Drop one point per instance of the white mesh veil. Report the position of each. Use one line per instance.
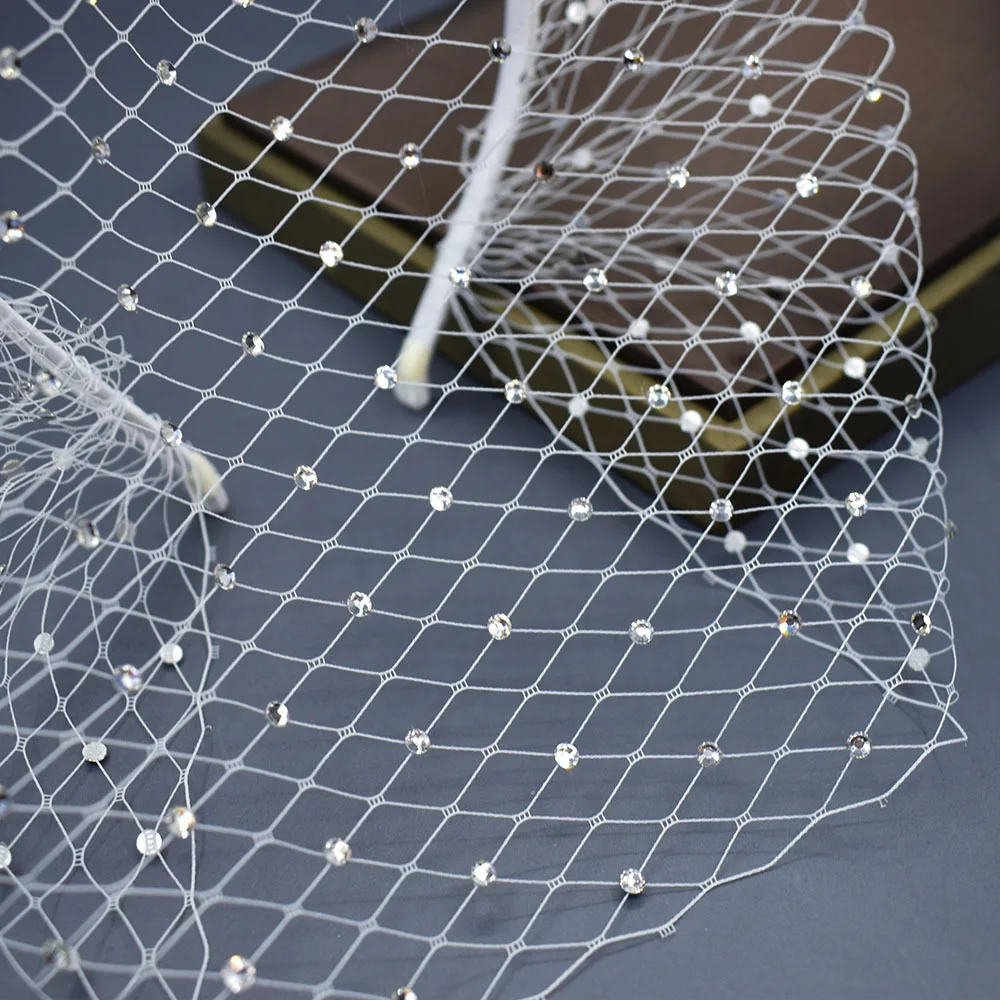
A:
(422, 693)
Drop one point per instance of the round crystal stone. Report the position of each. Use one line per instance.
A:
(206, 213)
(595, 280)
(94, 752)
(417, 742)
(281, 128)
(181, 821)
(44, 642)
(100, 149)
(735, 542)
(750, 331)
(789, 623)
(576, 12)
(856, 368)
(404, 993)
(632, 59)
(580, 509)
(87, 535)
(709, 754)
(578, 406)
(544, 171)
(791, 393)
(797, 448)
(459, 277)
(483, 873)
(359, 604)
(365, 30)
(47, 383)
(514, 391)
(921, 622)
(860, 745)
(5, 856)
(128, 298)
(691, 421)
(911, 207)
(677, 177)
(950, 529)
(759, 105)
(331, 254)
(224, 576)
(305, 477)
(386, 377)
(276, 713)
(440, 498)
(873, 92)
(912, 406)
(567, 756)
(657, 396)
(166, 73)
(499, 626)
(726, 284)
(856, 504)
(858, 553)
(58, 954)
(253, 344)
(10, 63)
(640, 632)
(720, 509)
(753, 67)
(11, 228)
(632, 881)
(918, 658)
(807, 185)
(127, 679)
(499, 49)
(410, 155)
(861, 286)
(170, 435)
(238, 974)
(337, 851)
(148, 843)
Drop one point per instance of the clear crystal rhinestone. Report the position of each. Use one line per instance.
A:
(576, 12)
(127, 679)
(365, 30)
(166, 72)
(5, 857)
(657, 396)
(735, 542)
(789, 623)
(47, 384)
(171, 653)
(856, 504)
(206, 213)
(632, 881)
(595, 280)
(440, 498)
(337, 851)
(404, 993)
(807, 185)
(856, 368)
(87, 535)
(483, 873)
(181, 821)
(720, 509)
(544, 171)
(567, 756)
(911, 207)
(750, 331)
(640, 632)
(10, 63)
(691, 421)
(282, 128)
(238, 974)
(58, 954)
(170, 435)
(410, 155)
(797, 448)
(580, 509)
(305, 477)
(253, 344)
(100, 149)
(859, 745)
(726, 284)
(514, 391)
(677, 177)
(94, 752)
(499, 49)
(359, 604)
(873, 92)
(791, 393)
(861, 286)
(276, 713)
(224, 576)
(858, 553)
(331, 254)
(44, 642)
(753, 67)
(709, 754)
(921, 622)
(386, 377)
(950, 529)
(912, 406)
(759, 106)
(633, 59)
(499, 626)
(918, 658)
(417, 742)
(11, 228)
(459, 277)
(148, 843)
(128, 298)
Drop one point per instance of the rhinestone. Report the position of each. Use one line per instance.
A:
(797, 448)
(514, 391)
(405, 993)
(386, 377)
(856, 504)
(640, 632)
(759, 105)
(366, 30)
(726, 284)
(440, 498)
(47, 384)
(305, 477)
(735, 542)
(181, 821)
(359, 604)
(873, 92)
(567, 756)
(921, 622)
(253, 344)
(861, 286)
(912, 406)
(581, 158)
(417, 742)
(206, 214)
(499, 50)
(789, 623)
(918, 658)
(753, 67)
(224, 576)
(578, 406)
(580, 509)
(544, 171)
(858, 553)
(950, 530)
(633, 60)
(281, 128)
(128, 298)
(677, 177)
(856, 368)
(859, 745)
(127, 679)
(709, 755)
(148, 843)
(94, 752)
(657, 396)
(410, 155)
(100, 149)
(171, 654)
(595, 280)
(483, 873)
(576, 12)
(337, 851)
(750, 331)
(632, 881)
(166, 72)
(791, 393)
(277, 713)
(807, 185)
(44, 642)
(331, 254)
(59, 954)
(238, 974)
(10, 63)
(499, 626)
(720, 509)
(459, 277)
(170, 435)
(691, 421)
(911, 207)
(87, 535)
(5, 856)
(11, 228)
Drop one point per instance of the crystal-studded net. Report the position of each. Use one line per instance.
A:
(335, 707)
